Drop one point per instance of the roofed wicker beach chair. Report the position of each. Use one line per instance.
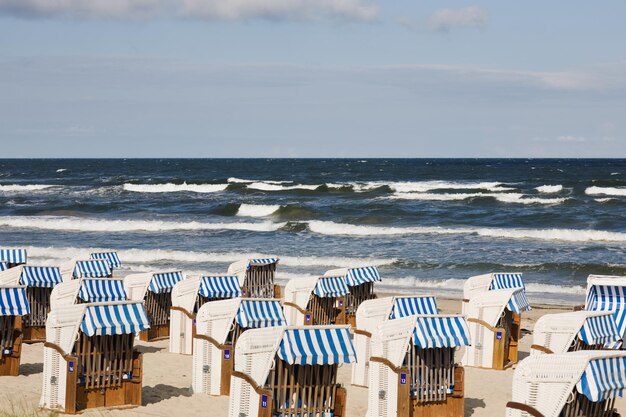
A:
(88, 290)
(256, 277)
(361, 285)
(155, 288)
(39, 282)
(218, 327)
(86, 268)
(608, 293)
(288, 372)
(89, 356)
(479, 284)
(413, 372)
(573, 384)
(188, 296)
(494, 320)
(13, 305)
(316, 300)
(371, 314)
(10, 257)
(111, 257)
(573, 331)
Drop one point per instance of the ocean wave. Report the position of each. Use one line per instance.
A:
(548, 189)
(605, 200)
(244, 181)
(501, 197)
(61, 170)
(174, 188)
(74, 224)
(156, 256)
(455, 284)
(24, 187)
(266, 186)
(567, 235)
(595, 190)
(257, 210)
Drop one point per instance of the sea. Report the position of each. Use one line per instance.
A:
(427, 224)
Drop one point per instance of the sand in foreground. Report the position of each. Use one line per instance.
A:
(167, 379)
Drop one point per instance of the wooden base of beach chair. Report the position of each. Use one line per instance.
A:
(506, 342)
(154, 333)
(34, 334)
(228, 364)
(11, 332)
(127, 395)
(277, 291)
(325, 311)
(452, 406)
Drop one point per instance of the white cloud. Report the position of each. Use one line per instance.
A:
(445, 19)
(358, 10)
(571, 139)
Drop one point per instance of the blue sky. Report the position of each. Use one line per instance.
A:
(312, 78)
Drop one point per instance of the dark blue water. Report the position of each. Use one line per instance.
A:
(426, 223)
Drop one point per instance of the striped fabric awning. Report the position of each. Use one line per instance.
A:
(13, 301)
(163, 282)
(330, 287)
(317, 346)
(441, 331)
(358, 276)
(41, 276)
(112, 257)
(101, 290)
(261, 262)
(410, 306)
(502, 281)
(110, 319)
(599, 330)
(518, 303)
(13, 256)
(609, 298)
(220, 287)
(254, 314)
(604, 378)
(93, 268)
(3, 266)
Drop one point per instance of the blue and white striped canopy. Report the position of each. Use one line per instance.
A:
(331, 287)
(3, 266)
(93, 268)
(13, 256)
(317, 346)
(358, 276)
(110, 319)
(112, 257)
(604, 378)
(410, 306)
(41, 276)
(502, 281)
(599, 330)
(13, 301)
(609, 298)
(220, 287)
(441, 331)
(101, 290)
(518, 303)
(261, 262)
(163, 282)
(254, 314)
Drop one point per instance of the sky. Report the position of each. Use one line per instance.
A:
(312, 78)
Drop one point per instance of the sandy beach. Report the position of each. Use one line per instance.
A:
(167, 380)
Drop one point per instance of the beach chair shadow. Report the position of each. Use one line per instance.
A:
(472, 404)
(162, 392)
(149, 349)
(27, 369)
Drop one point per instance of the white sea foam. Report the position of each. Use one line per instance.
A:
(244, 181)
(256, 210)
(175, 188)
(604, 200)
(150, 257)
(76, 224)
(61, 169)
(502, 197)
(567, 235)
(454, 284)
(605, 191)
(549, 188)
(425, 186)
(24, 187)
(266, 186)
